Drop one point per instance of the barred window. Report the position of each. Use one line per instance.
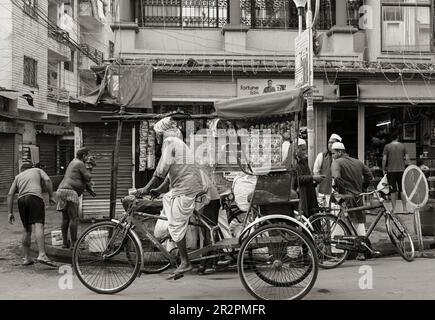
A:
(30, 72)
(283, 14)
(69, 65)
(182, 13)
(31, 8)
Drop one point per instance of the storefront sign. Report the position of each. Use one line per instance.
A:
(143, 144)
(248, 87)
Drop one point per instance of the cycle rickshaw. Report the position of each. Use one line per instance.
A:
(275, 252)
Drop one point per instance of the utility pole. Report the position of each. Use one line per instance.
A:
(309, 84)
(310, 105)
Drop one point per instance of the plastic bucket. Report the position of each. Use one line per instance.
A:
(56, 238)
(97, 240)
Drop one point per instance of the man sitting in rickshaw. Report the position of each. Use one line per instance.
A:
(190, 189)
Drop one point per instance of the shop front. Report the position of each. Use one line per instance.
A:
(366, 124)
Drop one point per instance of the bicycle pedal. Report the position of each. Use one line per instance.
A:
(376, 253)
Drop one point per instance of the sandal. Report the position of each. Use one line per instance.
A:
(28, 263)
(47, 262)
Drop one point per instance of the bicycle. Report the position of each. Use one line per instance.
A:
(109, 255)
(335, 236)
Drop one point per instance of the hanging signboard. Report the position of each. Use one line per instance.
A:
(302, 47)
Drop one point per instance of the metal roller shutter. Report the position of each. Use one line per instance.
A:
(100, 139)
(6, 162)
(48, 153)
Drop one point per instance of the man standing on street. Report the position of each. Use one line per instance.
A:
(74, 183)
(29, 185)
(178, 169)
(322, 166)
(394, 159)
(350, 177)
(306, 182)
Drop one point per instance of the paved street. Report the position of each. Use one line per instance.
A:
(393, 278)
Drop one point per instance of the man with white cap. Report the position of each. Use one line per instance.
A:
(349, 177)
(306, 181)
(322, 166)
(190, 188)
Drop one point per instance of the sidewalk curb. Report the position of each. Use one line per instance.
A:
(385, 246)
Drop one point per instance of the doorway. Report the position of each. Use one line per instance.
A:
(344, 122)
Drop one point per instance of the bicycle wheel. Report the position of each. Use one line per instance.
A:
(325, 228)
(103, 268)
(277, 262)
(400, 236)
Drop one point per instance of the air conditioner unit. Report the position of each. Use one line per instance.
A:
(348, 89)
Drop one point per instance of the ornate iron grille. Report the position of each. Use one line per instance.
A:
(182, 13)
(282, 14)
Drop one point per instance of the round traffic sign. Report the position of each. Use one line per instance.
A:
(415, 187)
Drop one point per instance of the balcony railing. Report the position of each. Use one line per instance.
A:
(265, 14)
(56, 93)
(94, 54)
(182, 13)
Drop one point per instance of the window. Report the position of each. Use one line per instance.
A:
(30, 72)
(281, 14)
(69, 8)
(406, 25)
(69, 65)
(31, 8)
(111, 49)
(181, 13)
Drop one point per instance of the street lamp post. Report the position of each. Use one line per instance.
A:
(300, 4)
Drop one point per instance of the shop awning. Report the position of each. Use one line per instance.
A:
(10, 94)
(260, 106)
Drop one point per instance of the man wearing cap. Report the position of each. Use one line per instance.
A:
(306, 181)
(349, 177)
(322, 166)
(190, 189)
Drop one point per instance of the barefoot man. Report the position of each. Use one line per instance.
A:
(70, 189)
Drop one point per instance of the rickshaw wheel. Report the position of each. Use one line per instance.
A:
(277, 262)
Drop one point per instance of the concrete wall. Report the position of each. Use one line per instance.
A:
(30, 39)
(178, 40)
(271, 41)
(6, 44)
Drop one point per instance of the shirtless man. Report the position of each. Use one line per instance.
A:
(74, 183)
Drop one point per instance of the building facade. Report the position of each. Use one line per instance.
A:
(373, 65)
(38, 42)
(47, 50)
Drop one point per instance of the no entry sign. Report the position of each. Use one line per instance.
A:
(415, 187)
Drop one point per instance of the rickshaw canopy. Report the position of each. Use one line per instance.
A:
(261, 105)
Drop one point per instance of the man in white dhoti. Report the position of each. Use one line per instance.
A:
(190, 189)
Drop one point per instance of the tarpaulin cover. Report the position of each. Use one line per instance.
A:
(259, 106)
(126, 85)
